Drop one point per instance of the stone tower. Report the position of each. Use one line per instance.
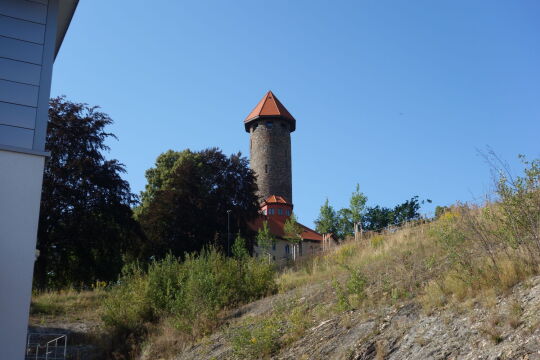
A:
(270, 126)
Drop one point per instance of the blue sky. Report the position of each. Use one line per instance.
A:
(394, 95)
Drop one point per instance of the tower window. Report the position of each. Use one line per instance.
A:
(270, 211)
(288, 212)
(269, 124)
(279, 211)
(266, 168)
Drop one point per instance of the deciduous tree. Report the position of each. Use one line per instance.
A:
(85, 225)
(184, 206)
(327, 222)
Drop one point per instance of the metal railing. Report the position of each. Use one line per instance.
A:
(46, 346)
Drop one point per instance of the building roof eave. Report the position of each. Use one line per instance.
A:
(66, 9)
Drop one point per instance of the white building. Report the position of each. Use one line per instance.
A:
(31, 32)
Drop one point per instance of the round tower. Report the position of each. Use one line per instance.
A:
(270, 126)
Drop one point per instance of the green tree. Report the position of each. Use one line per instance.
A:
(327, 222)
(377, 218)
(159, 177)
(345, 225)
(356, 206)
(239, 248)
(293, 233)
(86, 225)
(265, 240)
(407, 211)
(184, 206)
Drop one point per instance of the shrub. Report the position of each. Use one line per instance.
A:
(192, 292)
(127, 307)
(256, 340)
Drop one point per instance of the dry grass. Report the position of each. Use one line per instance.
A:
(396, 266)
(458, 258)
(515, 312)
(67, 306)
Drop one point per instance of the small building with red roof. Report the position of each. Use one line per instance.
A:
(275, 210)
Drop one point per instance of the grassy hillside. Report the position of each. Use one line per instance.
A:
(470, 255)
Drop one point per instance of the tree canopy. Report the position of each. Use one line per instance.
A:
(85, 225)
(374, 218)
(327, 221)
(265, 240)
(184, 206)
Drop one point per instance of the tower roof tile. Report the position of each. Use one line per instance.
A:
(270, 106)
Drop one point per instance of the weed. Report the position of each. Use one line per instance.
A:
(256, 339)
(515, 312)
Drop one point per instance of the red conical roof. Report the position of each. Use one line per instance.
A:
(270, 106)
(276, 199)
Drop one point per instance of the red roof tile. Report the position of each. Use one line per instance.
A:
(270, 106)
(276, 199)
(276, 224)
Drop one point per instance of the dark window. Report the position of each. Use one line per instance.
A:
(269, 124)
(270, 211)
(279, 212)
(287, 249)
(288, 212)
(266, 169)
(274, 246)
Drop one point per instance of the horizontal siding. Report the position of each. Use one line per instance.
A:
(20, 50)
(19, 71)
(44, 2)
(21, 29)
(14, 136)
(17, 115)
(17, 93)
(25, 10)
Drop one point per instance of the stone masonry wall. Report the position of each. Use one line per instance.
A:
(270, 157)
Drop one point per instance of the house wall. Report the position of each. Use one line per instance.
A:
(27, 45)
(20, 189)
(280, 252)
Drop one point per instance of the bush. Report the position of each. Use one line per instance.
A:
(192, 292)
(127, 307)
(490, 247)
(256, 340)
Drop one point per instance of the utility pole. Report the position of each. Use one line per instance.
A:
(228, 231)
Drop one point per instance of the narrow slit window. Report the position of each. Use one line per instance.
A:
(266, 169)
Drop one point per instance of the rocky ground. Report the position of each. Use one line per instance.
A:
(506, 327)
